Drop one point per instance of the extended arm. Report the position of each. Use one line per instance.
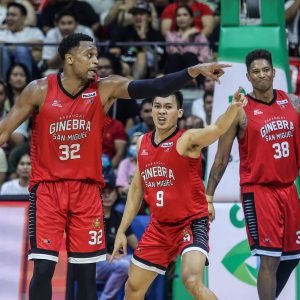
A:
(193, 140)
(115, 86)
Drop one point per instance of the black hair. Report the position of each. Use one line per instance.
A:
(70, 42)
(20, 6)
(207, 93)
(64, 13)
(114, 61)
(9, 88)
(178, 97)
(188, 8)
(258, 54)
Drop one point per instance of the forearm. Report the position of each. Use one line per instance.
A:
(215, 176)
(226, 119)
(132, 207)
(162, 86)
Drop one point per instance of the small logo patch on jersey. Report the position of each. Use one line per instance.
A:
(257, 112)
(282, 103)
(89, 101)
(56, 103)
(96, 223)
(88, 95)
(46, 241)
(167, 145)
(144, 152)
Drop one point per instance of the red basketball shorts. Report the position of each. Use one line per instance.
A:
(272, 220)
(161, 243)
(74, 207)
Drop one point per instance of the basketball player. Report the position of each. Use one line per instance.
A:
(268, 135)
(68, 116)
(169, 178)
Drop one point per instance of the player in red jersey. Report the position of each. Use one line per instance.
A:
(68, 117)
(169, 178)
(268, 135)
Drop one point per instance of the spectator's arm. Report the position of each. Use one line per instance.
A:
(166, 26)
(291, 11)
(120, 146)
(208, 24)
(31, 15)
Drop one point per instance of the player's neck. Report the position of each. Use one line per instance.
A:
(162, 134)
(71, 83)
(266, 96)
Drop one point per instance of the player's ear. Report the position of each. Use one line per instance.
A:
(69, 59)
(180, 112)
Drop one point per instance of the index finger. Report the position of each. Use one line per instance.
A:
(113, 255)
(224, 65)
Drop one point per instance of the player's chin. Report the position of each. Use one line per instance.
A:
(91, 75)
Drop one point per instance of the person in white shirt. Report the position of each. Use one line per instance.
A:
(66, 24)
(19, 186)
(17, 32)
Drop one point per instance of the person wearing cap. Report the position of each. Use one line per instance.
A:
(114, 273)
(142, 60)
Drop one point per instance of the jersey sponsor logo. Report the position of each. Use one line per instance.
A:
(56, 103)
(144, 152)
(282, 102)
(88, 95)
(167, 145)
(89, 101)
(257, 112)
(96, 223)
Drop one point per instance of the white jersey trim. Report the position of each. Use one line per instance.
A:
(146, 267)
(290, 257)
(189, 249)
(86, 260)
(265, 252)
(32, 256)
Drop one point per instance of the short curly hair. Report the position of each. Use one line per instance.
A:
(258, 54)
(72, 41)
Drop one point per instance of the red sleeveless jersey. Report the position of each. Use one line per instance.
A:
(172, 183)
(269, 149)
(67, 135)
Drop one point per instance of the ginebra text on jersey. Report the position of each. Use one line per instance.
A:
(70, 124)
(276, 125)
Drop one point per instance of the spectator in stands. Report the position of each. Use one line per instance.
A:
(180, 57)
(193, 122)
(207, 102)
(292, 19)
(82, 11)
(19, 186)
(3, 166)
(126, 111)
(203, 16)
(146, 124)
(114, 141)
(114, 273)
(198, 104)
(121, 14)
(66, 24)
(31, 14)
(17, 79)
(127, 167)
(142, 60)
(17, 32)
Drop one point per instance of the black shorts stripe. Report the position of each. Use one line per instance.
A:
(86, 254)
(32, 217)
(250, 216)
(43, 251)
(150, 264)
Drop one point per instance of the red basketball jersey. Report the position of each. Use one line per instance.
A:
(67, 135)
(269, 150)
(172, 183)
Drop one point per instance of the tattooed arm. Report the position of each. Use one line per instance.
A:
(295, 100)
(223, 152)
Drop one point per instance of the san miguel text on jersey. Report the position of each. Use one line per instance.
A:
(173, 187)
(269, 149)
(67, 130)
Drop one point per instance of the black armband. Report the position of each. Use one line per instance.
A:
(162, 86)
